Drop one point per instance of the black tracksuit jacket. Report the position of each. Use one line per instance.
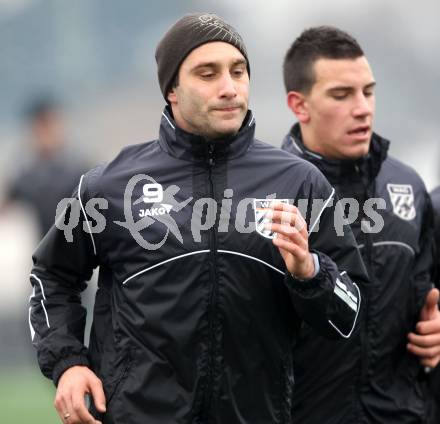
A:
(371, 378)
(434, 376)
(193, 323)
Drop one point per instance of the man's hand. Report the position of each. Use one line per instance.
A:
(425, 343)
(73, 385)
(292, 239)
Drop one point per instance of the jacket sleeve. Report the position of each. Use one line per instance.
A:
(331, 301)
(425, 267)
(63, 262)
(435, 204)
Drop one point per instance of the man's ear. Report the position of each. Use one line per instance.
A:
(172, 96)
(297, 103)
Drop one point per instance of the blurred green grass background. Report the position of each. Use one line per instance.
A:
(26, 397)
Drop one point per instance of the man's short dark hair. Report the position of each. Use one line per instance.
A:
(40, 107)
(323, 42)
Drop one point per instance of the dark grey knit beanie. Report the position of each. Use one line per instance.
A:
(188, 33)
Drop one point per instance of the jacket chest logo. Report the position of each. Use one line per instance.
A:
(261, 208)
(153, 194)
(402, 199)
(157, 203)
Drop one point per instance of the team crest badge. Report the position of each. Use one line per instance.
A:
(402, 199)
(261, 208)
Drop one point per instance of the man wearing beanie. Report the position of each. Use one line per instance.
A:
(207, 267)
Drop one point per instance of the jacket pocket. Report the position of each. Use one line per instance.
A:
(113, 383)
(115, 386)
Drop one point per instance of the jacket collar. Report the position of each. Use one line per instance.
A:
(183, 145)
(334, 169)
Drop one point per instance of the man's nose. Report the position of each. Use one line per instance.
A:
(227, 86)
(364, 106)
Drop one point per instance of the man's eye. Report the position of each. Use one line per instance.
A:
(339, 96)
(207, 75)
(368, 93)
(238, 72)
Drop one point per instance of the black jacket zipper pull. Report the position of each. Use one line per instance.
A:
(211, 158)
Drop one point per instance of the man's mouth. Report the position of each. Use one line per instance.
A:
(361, 130)
(230, 108)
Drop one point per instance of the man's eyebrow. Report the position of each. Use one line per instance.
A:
(205, 65)
(349, 88)
(216, 64)
(371, 85)
(239, 62)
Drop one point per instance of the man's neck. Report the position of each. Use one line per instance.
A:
(309, 142)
